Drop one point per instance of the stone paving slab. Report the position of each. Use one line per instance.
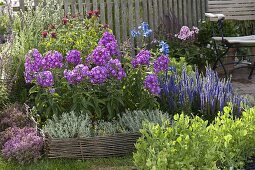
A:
(242, 84)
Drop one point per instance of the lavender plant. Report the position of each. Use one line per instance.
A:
(132, 121)
(73, 125)
(103, 128)
(69, 125)
(193, 93)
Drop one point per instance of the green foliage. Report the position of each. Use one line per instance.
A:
(135, 96)
(79, 34)
(4, 96)
(3, 24)
(119, 163)
(179, 64)
(192, 143)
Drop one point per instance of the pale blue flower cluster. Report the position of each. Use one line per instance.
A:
(143, 29)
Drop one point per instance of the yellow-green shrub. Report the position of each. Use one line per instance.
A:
(191, 143)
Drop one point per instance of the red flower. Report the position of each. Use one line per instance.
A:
(97, 13)
(65, 20)
(53, 35)
(44, 34)
(90, 14)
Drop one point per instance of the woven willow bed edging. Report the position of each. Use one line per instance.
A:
(85, 148)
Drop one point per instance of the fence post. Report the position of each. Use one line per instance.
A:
(117, 19)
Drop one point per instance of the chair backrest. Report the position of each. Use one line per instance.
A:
(233, 9)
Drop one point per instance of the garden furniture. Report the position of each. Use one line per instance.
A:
(231, 10)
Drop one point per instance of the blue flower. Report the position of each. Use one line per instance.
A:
(147, 33)
(135, 33)
(146, 29)
(164, 48)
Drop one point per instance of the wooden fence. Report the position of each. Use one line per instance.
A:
(125, 15)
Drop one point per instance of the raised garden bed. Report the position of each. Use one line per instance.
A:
(93, 147)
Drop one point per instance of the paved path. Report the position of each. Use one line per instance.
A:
(241, 83)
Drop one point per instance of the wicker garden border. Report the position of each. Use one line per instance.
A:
(120, 144)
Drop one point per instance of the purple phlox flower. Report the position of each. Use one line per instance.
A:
(52, 59)
(29, 76)
(184, 33)
(77, 75)
(98, 75)
(151, 83)
(164, 47)
(74, 57)
(115, 69)
(32, 64)
(100, 56)
(195, 29)
(187, 34)
(110, 43)
(142, 58)
(45, 79)
(161, 64)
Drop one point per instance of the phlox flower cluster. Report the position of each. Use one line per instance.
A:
(32, 64)
(115, 69)
(74, 57)
(98, 75)
(143, 29)
(161, 64)
(39, 68)
(187, 34)
(52, 59)
(142, 58)
(78, 74)
(45, 79)
(110, 43)
(102, 65)
(151, 83)
(100, 56)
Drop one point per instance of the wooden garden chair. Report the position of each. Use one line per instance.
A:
(220, 10)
